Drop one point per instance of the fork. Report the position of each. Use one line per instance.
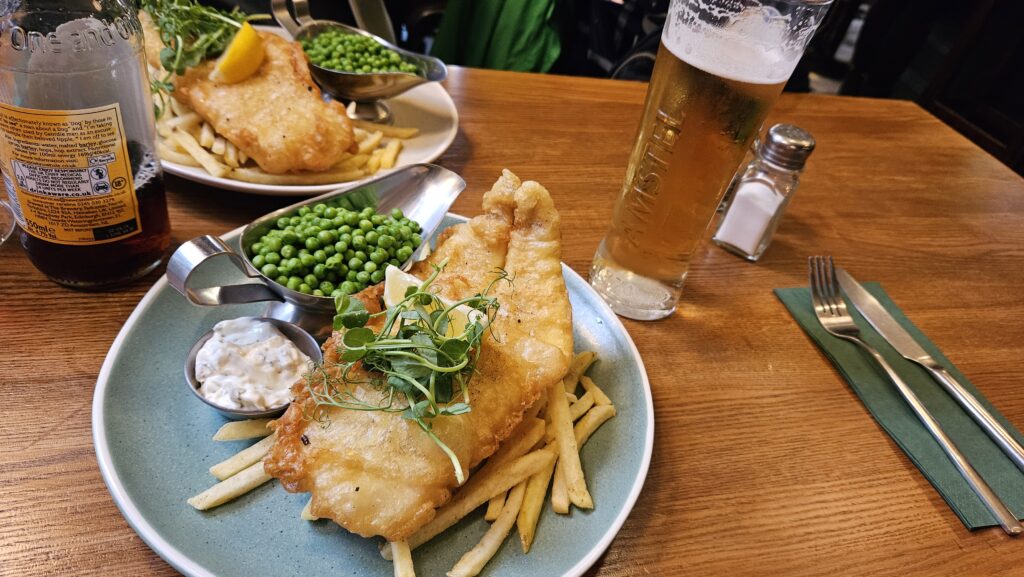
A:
(830, 308)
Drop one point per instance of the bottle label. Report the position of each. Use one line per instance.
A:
(68, 175)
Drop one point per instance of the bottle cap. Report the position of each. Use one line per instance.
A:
(787, 146)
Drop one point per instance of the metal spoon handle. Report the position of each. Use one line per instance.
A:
(192, 254)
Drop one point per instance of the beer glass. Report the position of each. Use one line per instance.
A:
(720, 67)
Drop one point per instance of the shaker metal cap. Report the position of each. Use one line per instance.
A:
(787, 146)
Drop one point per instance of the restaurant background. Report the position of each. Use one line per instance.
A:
(962, 61)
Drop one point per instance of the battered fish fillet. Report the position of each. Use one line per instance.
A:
(276, 116)
(375, 473)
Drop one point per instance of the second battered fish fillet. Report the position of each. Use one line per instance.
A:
(276, 116)
(375, 473)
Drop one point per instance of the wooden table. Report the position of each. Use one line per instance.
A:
(765, 463)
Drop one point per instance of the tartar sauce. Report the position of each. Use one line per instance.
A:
(248, 364)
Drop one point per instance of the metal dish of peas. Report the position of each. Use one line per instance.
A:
(334, 248)
(344, 52)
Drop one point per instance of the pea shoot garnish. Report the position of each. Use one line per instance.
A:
(420, 361)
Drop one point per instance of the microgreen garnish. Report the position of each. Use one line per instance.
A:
(415, 363)
(191, 33)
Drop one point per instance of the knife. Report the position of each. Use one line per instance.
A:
(905, 345)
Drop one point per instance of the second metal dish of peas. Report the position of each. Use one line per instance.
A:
(331, 250)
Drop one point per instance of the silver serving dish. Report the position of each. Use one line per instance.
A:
(424, 193)
(303, 340)
(365, 89)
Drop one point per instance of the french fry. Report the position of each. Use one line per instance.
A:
(206, 136)
(591, 421)
(185, 122)
(588, 424)
(402, 559)
(371, 142)
(522, 439)
(580, 364)
(599, 397)
(243, 459)
(169, 154)
(581, 406)
(242, 156)
(240, 430)
(472, 563)
(559, 493)
(477, 491)
(219, 145)
(494, 507)
(568, 451)
(210, 164)
(533, 503)
(386, 130)
(257, 176)
(230, 155)
(390, 154)
(571, 398)
(307, 512)
(232, 488)
(353, 162)
(374, 163)
(178, 108)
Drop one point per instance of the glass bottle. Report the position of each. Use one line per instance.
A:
(77, 140)
(763, 192)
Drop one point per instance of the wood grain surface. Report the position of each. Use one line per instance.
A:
(765, 463)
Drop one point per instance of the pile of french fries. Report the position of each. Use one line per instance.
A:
(542, 452)
(184, 138)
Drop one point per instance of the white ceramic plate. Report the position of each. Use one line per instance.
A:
(427, 107)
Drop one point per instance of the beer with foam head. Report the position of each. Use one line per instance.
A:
(715, 79)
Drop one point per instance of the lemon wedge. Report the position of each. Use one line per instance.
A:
(242, 59)
(396, 282)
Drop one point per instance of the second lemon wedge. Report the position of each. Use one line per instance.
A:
(395, 284)
(241, 59)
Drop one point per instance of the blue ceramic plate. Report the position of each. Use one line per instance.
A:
(153, 444)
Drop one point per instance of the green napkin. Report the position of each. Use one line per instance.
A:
(885, 404)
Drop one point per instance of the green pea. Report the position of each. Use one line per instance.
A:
(361, 255)
(337, 293)
(386, 241)
(372, 237)
(378, 256)
(318, 293)
(293, 283)
(377, 220)
(307, 259)
(269, 270)
(304, 210)
(272, 244)
(405, 232)
(320, 256)
(403, 253)
(288, 251)
(312, 243)
(416, 241)
(363, 277)
(358, 242)
(350, 276)
(341, 246)
(327, 287)
(348, 287)
(311, 280)
(320, 271)
(272, 258)
(376, 276)
(370, 267)
(258, 261)
(355, 263)
(305, 289)
(352, 218)
(331, 212)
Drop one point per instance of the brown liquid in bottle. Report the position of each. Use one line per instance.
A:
(100, 265)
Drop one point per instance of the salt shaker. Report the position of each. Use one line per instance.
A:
(763, 191)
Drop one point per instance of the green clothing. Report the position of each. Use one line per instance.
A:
(501, 34)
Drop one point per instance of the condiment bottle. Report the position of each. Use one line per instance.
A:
(77, 140)
(763, 191)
